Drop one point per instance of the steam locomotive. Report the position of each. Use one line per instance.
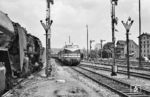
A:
(20, 52)
(70, 55)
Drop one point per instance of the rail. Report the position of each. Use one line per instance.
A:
(135, 74)
(121, 88)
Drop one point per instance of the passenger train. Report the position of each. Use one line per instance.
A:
(20, 52)
(70, 55)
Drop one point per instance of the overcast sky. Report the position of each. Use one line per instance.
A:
(71, 16)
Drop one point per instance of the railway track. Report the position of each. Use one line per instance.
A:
(135, 74)
(121, 88)
(122, 64)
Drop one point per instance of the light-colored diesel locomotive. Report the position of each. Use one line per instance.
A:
(70, 55)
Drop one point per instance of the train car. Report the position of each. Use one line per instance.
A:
(70, 55)
(20, 52)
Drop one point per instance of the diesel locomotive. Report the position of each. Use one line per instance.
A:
(70, 55)
(20, 52)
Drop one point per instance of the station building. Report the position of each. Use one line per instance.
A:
(121, 49)
(145, 45)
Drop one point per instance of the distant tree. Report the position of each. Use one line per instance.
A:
(84, 52)
(107, 49)
(97, 52)
(105, 53)
(149, 57)
(82, 56)
(142, 58)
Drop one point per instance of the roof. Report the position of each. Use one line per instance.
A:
(71, 47)
(108, 45)
(122, 42)
(147, 34)
(133, 42)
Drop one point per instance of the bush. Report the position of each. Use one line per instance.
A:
(142, 58)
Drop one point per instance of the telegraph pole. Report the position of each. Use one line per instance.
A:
(47, 28)
(127, 26)
(101, 42)
(140, 65)
(87, 42)
(113, 22)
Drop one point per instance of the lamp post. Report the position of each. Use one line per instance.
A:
(113, 22)
(47, 28)
(140, 65)
(91, 46)
(127, 26)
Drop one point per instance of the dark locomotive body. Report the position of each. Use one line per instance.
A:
(70, 55)
(20, 52)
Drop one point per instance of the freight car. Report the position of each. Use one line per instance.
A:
(20, 52)
(70, 55)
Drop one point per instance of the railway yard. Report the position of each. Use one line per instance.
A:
(37, 64)
(85, 80)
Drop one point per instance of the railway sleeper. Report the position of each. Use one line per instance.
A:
(134, 93)
(139, 96)
(128, 91)
(125, 90)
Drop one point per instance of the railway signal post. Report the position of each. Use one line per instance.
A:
(47, 28)
(127, 26)
(113, 22)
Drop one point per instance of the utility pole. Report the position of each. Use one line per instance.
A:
(91, 46)
(127, 26)
(113, 22)
(101, 42)
(47, 28)
(140, 65)
(87, 42)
